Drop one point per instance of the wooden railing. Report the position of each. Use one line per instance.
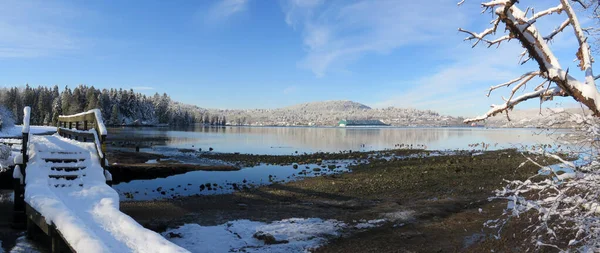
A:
(21, 160)
(78, 126)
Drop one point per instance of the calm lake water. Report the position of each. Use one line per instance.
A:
(288, 140)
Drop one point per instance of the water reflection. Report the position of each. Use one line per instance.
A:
(287, 140)
(220, 182)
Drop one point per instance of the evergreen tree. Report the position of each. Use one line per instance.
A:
(114, 116)
(91, 98)
(56, 110)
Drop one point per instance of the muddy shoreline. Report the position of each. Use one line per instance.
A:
(431, 203)
(127, 166)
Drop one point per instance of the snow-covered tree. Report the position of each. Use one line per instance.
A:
(562, 201)
(6, 118)
(114, 115)
(520, 26)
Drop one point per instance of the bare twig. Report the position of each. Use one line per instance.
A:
(557, 30)
(527, 76)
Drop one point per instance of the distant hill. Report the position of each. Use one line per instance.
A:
(328, 113)
(332, 105)
(544, 118)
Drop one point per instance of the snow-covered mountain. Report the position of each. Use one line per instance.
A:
(329, 113)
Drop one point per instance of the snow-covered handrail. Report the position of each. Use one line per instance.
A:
(94, 116)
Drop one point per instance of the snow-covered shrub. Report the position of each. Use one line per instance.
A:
(4, 152)
(6, 118)
(5, 158)
(563, 200)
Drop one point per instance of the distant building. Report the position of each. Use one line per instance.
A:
(363, 122)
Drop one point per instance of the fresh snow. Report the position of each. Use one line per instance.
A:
(97, 114)
(6, 196)
(17, 130)
(26, 117)
(238, 236)
(370, 224)
(88, 215)
(23, 245)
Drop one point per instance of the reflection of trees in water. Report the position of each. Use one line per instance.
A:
(140, 135)
(329, 139)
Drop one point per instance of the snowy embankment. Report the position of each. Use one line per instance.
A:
(288, 235)
(86, 210)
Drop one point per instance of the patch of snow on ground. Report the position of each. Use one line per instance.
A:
(17, 130)
(402, 216)
(370, 224)
(290, 235)
(6, 196)
(23, 245)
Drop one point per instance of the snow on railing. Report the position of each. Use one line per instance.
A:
(98, 132)
(26, 118)
(97, 117)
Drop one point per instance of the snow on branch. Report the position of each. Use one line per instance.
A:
(511, 102)
(521, 26)
(584, 53)
(558, 30)
(527, 76)
(558, 9)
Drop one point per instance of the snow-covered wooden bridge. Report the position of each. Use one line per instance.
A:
(62, 188)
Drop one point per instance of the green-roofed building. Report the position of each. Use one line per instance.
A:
(360, 122)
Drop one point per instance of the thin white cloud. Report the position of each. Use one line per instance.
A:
(224, 9)
(459, 88)
(335, 33)
(142, 88)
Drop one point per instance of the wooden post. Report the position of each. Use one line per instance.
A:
(85, 125)
(77, 125)
(70, 125)
(103, 149)
(19, 216)
(24, 152)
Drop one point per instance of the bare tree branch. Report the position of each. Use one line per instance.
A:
(584, 52)
(506, 84)
(554, 91)
(523, 29)
(558, 30)
(558, 9)
(581, 3)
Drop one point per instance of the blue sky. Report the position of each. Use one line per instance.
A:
(267, 54)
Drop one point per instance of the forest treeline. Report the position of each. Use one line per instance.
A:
(118, 106)
(126, 107)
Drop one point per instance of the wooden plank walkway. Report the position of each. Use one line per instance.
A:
(62, 190)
